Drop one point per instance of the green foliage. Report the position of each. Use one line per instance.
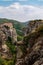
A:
(10, 63)
(11, 47)
(19, 32)
(5, 62)
(1, 61)
(23, 48)
(19, 38)
(13, 51)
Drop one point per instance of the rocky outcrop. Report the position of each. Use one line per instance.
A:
(9, 31)
(7, 34)
(5, 52)
(29, 50)
(34, 47)
(32, 25)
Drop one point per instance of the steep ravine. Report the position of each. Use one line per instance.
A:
(33, 45)
(28, 51)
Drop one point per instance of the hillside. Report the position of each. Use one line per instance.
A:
(26, 51)
(32, 48)
(34, 54)
(8, 37)
(17, 25)
(32, 25)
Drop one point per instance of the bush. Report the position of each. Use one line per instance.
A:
(1, 61)
(19, 38)
(11, 47)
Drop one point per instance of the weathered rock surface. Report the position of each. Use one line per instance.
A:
(34, 46)
(29, 50)
(7, 33)
(32, 25)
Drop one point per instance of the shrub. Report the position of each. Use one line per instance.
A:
(19, 38)
(11, 47)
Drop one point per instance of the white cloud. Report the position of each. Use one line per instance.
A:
(21, 12)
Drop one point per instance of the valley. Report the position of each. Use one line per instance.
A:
(21, 43)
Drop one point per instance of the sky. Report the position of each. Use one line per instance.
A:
(21, 10)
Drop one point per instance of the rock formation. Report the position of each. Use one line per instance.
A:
(7, 34)
(9, 31)
(32, 25)
(29, 50)
(34, 48)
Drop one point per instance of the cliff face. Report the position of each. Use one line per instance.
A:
(9, 31)
(32, 25)
(29, 51)
(33, 42)
(7, 34)
(35, 49)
